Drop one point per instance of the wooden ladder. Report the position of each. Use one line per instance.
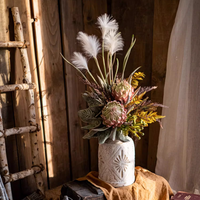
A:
(33, 126)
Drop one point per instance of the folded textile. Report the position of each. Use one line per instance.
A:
(3, 194)
(147, 186)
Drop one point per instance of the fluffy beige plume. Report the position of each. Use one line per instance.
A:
(106, 23)
(90, 44)
(113, 42)
(79, 61)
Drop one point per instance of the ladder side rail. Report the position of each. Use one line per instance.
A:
(27, 79)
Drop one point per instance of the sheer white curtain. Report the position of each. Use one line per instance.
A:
(178, 156)
(3, 194)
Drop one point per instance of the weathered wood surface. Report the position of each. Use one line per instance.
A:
(164, 15)
(71, 24)
(51, 74)
(14, 44)
(136, 17)
(92, 10)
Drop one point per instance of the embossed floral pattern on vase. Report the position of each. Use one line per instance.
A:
(121, 163)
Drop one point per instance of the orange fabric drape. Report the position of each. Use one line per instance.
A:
(147, 186)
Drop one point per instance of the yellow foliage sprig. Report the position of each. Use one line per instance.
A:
(140, 120)
(137, 76)
(149, 117)
(136, 100)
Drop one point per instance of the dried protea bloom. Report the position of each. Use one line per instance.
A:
(122, 90)
(113, 114)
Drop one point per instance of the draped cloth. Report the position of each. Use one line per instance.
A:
(3, 194)
(147, 186)
(178, 155)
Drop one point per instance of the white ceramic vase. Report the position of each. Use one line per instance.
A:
(116, 161)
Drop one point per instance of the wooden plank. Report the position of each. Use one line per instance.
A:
(164, 15)
(136, 17)
(91, 10)
(6, 99)
(49, 61)
(71, 24)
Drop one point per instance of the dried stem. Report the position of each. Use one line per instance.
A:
(103, 58)
(97, 63)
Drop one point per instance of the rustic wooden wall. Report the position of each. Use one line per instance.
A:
(164, 15)
(71, 22)
(52, 89)
(51, 27)
(136, 17)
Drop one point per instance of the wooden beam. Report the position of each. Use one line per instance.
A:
(51, 73)
(13, 87)
(14, 44)
(71, 17)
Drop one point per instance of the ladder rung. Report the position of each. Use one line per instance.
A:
(23, 174)
(13, 87)
(13, 44)
(19, 130)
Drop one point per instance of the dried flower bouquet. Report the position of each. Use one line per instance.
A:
(117, 106)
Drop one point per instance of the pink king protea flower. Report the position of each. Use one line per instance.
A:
(122, 90)
(113, 114)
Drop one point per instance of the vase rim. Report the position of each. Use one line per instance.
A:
(117, 142)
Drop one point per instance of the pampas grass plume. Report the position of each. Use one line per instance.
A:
(79, 61)
(90, 44)
(106, 23)
(113, 42)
